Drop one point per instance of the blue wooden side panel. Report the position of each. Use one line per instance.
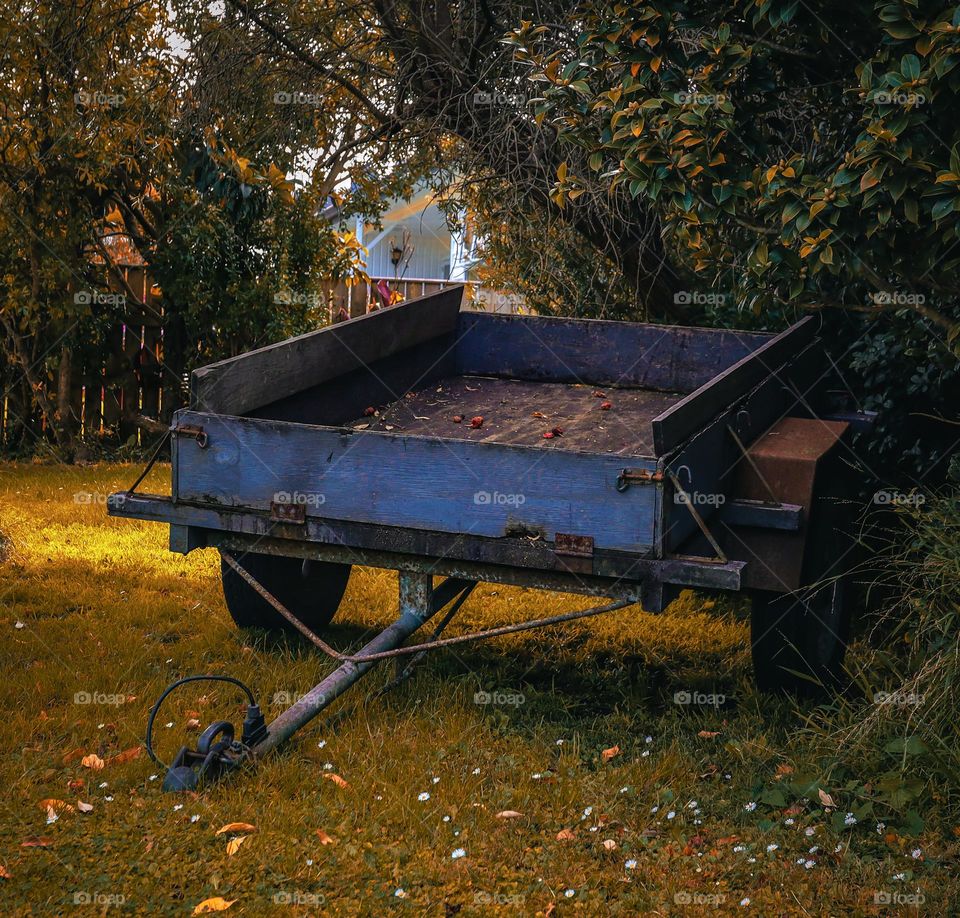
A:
(419, 482)
(665, 357)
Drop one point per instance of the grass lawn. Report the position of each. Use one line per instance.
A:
(702, 810)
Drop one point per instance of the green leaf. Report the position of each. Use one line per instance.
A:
(909, 745)
(910, 66)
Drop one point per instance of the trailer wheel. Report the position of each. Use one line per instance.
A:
(311, 590)
(798, 640)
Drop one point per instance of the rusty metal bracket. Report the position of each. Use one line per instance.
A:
(288, 513)
(631, 476)
(197, 433)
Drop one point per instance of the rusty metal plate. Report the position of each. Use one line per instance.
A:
(288, 513)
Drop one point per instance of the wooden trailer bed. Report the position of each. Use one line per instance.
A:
(519, 412)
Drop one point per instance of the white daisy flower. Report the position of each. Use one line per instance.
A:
(458, 853)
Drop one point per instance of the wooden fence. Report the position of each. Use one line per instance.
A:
(106, 399)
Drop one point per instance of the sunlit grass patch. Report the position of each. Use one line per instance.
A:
(577, 729)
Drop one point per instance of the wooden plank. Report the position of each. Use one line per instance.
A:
(705, 464)
(346, 397)
(598, 352)
(417, 482)
(242, 384)
(694, 411)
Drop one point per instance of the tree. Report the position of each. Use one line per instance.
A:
(799, 156)
(111, 141)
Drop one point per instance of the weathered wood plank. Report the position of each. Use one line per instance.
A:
(418, 482)
(496, 560)
(242, 384)
(694, 411)
(598, 352)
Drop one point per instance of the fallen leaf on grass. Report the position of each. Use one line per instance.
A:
(728, 839)
(84, 807)
(74, 755)
(128, 755)
(92, 761)
(825, 798)
(783, 771)
(708, 734)
(610, 753)
(193, 724)
(5, 874)
(330, 776)
(324, 838)
(37, 841)
(609, 844)
(508, 814)
(233, 846)
(56, 805)
(236, 827)
(216, 904)
(565, 835)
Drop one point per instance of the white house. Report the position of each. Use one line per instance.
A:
(415, 252)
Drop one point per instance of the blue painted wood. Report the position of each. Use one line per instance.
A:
(419, 482)
(597, 352)
(250, 381)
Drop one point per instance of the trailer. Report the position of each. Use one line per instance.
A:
(618, 460)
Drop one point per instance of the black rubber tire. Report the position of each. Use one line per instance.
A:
(311, 590)
(798, 640)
